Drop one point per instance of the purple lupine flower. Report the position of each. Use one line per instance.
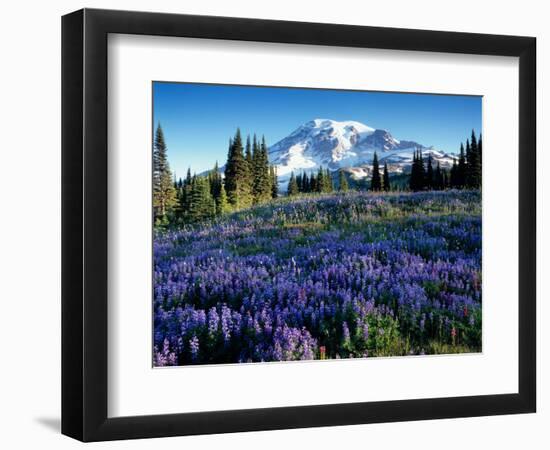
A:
(213, 321)
(365, 331)
(194, 347)
(345, 332)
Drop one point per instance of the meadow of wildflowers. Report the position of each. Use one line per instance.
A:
(347, 275)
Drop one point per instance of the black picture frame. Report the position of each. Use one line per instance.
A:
(84, 224)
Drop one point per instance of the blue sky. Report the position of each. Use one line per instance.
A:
(199, 119)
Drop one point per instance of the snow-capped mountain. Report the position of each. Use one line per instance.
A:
(345, 145)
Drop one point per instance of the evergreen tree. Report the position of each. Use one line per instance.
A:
(261, 181)
(193, 201)
(292, 186)
(312, 183)
(414, 174)
(177, 211)
(421, 171)
(320, 181)
(461, 171)
(249, 163)
(438, 178)
(254, 168)
(222, 205)
(215, 181)
(164, 193)
(446, 178)
(305, 182)
(473, 178)
(454, 175)
(429, 173)
(343, 185)
(184, 194)
(201, 203)
(265, 187)
(386, 177)
(299, 183)
(237, 175)
(467, 172)
(376, 182)
(479, 150)
(418, 174)
(274, 182)
(468, 156)
(328, 184)
(248, 152)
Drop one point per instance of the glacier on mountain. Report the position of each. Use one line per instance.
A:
(346, 145)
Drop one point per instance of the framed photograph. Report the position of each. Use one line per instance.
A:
(273, 224)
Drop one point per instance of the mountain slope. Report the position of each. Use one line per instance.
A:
(345, 145)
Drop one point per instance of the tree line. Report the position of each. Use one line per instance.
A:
(304, 183)
(323, 182)
(465, 173)
(248, 179)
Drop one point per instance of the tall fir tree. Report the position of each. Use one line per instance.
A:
(376, 181)
(222, 205)
(215, 181)
(264, 165)
(177, 211)
(248, 151)
(416, 182)
(468, 156)
(292, 186)
(320, 180)
(202, 205)
(305, 182)
(461, 172)
(473, 178)
(261, 186)
(438, 178)
(429, 173)
(386, 178)
(299, 183)
(480, 152)
(421, 171)
(184, 194)
(329, 184)
(414, 173)
(453, 181)
(248, 156)
(274, 182)
(467, 171)
(193, 200)
(312, 183)
(418, 174)
(164, 193)
(237, 175)
(255, 154)
(343, 185)
(445, 179)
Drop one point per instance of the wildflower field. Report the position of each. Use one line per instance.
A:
(343, 275)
